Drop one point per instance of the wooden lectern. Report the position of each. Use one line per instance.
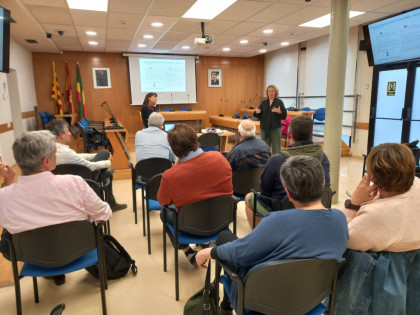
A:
(120, 156)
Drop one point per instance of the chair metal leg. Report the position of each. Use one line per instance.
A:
(36, 296)
(164, 239)
(176, 262)
(102, 271)
(143, 206)
(108, 227)
(217, 281)
(148, 228)
(17, 288)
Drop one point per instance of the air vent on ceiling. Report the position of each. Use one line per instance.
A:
(31, 41)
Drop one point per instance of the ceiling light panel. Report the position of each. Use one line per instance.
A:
(89, 5)
(207, 9)
(326, 19)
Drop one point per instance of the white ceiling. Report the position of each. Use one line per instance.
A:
(122, 28)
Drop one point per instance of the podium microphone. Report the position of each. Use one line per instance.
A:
(172, 100)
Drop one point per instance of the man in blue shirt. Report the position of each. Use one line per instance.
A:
(300, 139)
(152, 142)
(309, 231)
(250, 152)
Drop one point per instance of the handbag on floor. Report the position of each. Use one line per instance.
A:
(204, 302)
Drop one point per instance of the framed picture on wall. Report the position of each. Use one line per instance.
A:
(215, 77)
(101, 78)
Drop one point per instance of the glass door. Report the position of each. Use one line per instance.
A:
(415, 111)
(387, 115)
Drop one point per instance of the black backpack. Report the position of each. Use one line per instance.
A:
(117, 260)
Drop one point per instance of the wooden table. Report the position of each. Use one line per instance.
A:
(224, 137)
(73, 117)
(184, 115)
(230, 122)
(250, 112)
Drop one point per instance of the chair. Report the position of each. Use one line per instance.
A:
(209, 141)
(319, 116)
(286, 287)
(92, 137)
(140, 176)
(305, 109)
(245, 180)
(45, 119)
(197, 223)
(73, 169)
(101, 191)
(152, 189)
(326, 200)
(55, 250)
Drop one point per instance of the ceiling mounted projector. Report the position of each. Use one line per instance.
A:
(205, 40)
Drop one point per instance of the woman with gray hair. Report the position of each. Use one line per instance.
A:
(309, 231)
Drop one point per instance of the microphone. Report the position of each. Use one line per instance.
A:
(188, 96)
(172, 100)
(251, 102)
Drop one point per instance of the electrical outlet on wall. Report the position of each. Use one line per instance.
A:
(366, 85)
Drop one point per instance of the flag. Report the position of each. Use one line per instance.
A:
(55, 92)
(80, 94)
(69, 95)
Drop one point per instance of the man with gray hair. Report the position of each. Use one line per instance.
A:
(152, 142)
(308, 231)
(98, 163)
(250, 152)
(40, 198)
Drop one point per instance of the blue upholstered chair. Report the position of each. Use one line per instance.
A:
(55, 250)
(245, 180)
(285, 287)
(319, 116)
(197, 223)
(209, 142)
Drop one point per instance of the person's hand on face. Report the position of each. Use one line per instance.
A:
(258, 110)
(364, 191)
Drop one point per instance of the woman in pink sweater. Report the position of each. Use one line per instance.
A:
(384, 212)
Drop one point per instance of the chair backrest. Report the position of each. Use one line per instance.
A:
(305, 109)
(207, 217)
(209, 140)
(319, 114)
(73, 169)
(153, 186)
(326, 199)
(245, 180)
(55, 245)
(149, 167)
(289, 287)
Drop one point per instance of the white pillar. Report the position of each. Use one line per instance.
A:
(337, 59)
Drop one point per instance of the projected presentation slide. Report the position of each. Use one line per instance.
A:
(162, 75)
(396, 38)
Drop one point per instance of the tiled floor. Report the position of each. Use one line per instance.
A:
(151, 291)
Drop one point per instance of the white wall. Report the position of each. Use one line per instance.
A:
(313, 66)
(21, 62)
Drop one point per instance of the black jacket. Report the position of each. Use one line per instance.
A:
(145, 113)
(268, 119)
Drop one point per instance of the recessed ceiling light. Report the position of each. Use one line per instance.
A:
(326, 19)
(244, 41)
(185, 47)
(89, 5)
(268, 31)
(148, 36)
(285, 43)
(141, 45)
(226, 49)
(91, 33)
(207, 9)
(263, 50)
(157, 24)
(93, 43)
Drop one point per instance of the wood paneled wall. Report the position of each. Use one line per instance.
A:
(243, 78)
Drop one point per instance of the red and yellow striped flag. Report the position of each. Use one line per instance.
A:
(55, 92)
(80, 94)
(69, 95)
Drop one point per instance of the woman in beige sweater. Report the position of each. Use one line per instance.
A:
(384, 212)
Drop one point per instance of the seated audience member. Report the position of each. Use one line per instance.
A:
(196, 176)
(383, 260)
(40, 198)
(309, 231)
(152, 142)
(96, 162)
(300, 139)
(250, 152)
